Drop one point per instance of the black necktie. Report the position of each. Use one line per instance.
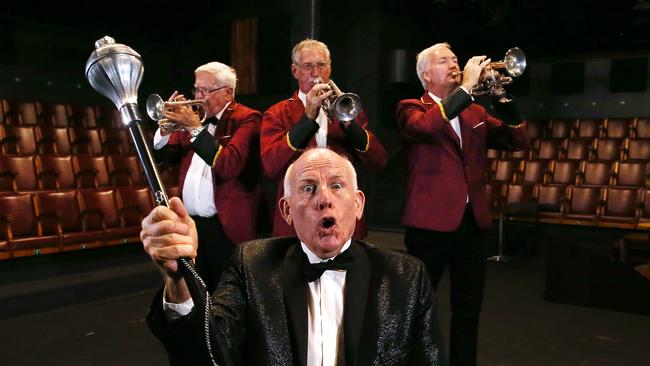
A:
(343, 261)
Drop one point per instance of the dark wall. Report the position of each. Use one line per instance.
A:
(585, 58)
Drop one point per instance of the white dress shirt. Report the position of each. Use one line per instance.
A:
(321, 119)
(455, 124)
(198, 191)
(324, 313)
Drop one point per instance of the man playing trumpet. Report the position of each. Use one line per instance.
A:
(219, 180)
(446, 212)
(292, 125)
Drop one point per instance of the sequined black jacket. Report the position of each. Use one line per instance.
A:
(260, 308)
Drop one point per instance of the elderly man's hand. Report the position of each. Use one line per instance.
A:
(314, 99)
(473, 70)
(169, 233)
(183, 115)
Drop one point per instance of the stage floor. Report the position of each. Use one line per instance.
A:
(517, 327)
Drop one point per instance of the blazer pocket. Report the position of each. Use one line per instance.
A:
(480, 127)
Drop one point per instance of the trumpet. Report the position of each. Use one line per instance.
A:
(514, 63)
(341, 106)
(156, 109)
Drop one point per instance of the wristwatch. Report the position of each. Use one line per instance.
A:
(195, 132)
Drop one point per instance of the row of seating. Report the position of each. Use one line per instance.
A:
(581, 149)
(59, 172)
(617, 128)
(29, 140)
(47, 222)
(628, 173)
(614, 207)
(22, 113)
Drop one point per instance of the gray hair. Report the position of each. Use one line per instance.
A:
(423, 60)
(224, 75)
(317, 151)
(308, 43)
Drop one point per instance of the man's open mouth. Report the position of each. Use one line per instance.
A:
(327, 223)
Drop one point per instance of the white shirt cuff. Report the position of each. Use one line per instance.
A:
(174, 311)
(159, 141)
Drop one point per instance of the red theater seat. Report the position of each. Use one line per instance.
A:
(17, 173)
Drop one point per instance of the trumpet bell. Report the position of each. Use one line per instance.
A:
(346, 107)
(515, 62)
(155, 107)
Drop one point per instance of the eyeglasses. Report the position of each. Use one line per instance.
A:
(206, 91)
(308, 66)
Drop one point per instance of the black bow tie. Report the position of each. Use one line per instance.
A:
(211, 120)
(343, 261)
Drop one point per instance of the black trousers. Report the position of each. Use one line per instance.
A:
(214, 250)
(461, 250)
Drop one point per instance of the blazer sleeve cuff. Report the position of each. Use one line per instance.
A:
(206, 147)
(357, 136)
(454, 103)
(301, 133)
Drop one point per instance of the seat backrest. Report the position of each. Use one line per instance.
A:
(637, 149)
(124, 170)
(608, 149)
(621, 202)
(55, 171)
(20, 210)
(91, 171)
(102, 200)
(588, 128)
(536, 128)
(563, 172)
(534, 171)
(584, 200)
(53, 140)
(616, 128)
(83, 116)
(642, 128)
(85, 140)
(517, 193)
(20, 113)
(134, 203)
(547, 149)
(631, 173)
(19, 140)
(21, 170)
(561, 128)
(55, 114)
(595, 173)
(504, 170)
(578, 149)
(117, 141)
(62, 204)
(550, 194)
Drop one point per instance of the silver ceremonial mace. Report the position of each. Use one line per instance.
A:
(115, 71)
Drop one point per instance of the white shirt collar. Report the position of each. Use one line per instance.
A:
(220, 113)
(313, 258)
(303, 97)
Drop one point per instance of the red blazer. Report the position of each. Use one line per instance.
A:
(441, 175)
(235, 169)
(277, 154)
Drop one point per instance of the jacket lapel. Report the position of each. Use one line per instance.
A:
(295, 297)
(430, 103)
(356, 295)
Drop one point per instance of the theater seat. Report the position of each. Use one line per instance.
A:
(616, 128)
(583, 205)
(17, 173)
(53, 140)
(133, 204)
(621, 208)
(588, 128)
(59, 212)
(561, 128)
(90, 171)
(595, 173)
(550, 200)
(55, 172)
(21, 234)
(99, 212)
(641, 128)
(124, 170)
(19, 140)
